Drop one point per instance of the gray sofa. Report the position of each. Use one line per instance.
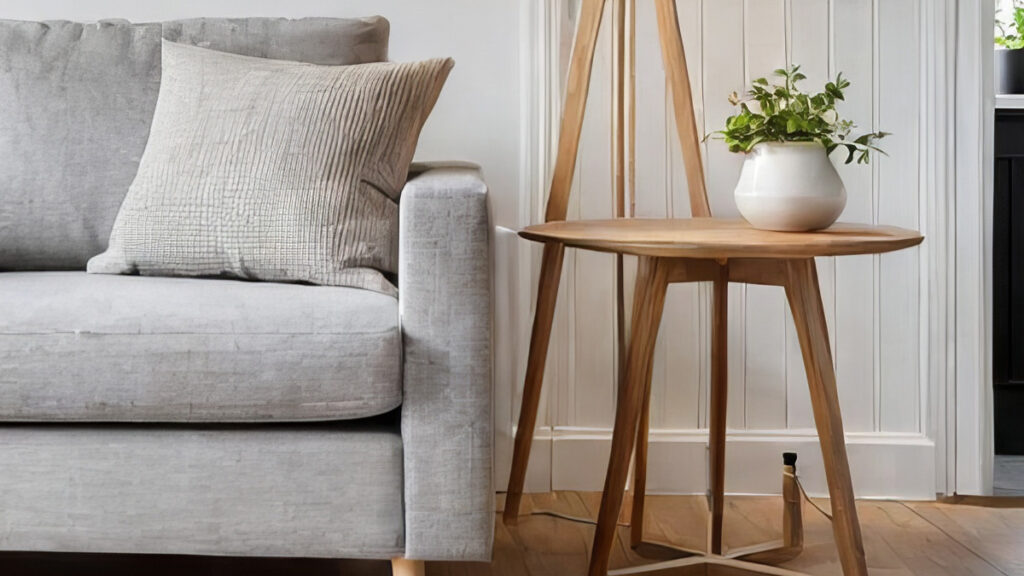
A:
(213, 416)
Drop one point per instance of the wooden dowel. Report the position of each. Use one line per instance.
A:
(576, 90)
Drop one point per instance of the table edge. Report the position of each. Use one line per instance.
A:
(711, 251)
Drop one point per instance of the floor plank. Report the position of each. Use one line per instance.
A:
(994, 534)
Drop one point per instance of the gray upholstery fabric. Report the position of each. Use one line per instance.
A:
(273, 170)
(328, 41)
(444, 283)
(75, 106)
(80, 347)
(76, 101)
(333, 491)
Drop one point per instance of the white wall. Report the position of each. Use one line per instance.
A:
(477, 116)
(877, 306)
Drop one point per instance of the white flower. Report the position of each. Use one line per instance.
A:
(754, 106)
(829, 116)
(783, 104)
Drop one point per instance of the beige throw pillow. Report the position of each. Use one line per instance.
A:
(273, 170)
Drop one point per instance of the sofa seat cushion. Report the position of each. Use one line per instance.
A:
(79, 347)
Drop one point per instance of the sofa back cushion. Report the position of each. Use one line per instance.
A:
(76, 103)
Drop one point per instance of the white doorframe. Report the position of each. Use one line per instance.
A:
(974, 111)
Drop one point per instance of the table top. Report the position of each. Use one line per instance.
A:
(719, 238)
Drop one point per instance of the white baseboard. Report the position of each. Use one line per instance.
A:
(883, 465)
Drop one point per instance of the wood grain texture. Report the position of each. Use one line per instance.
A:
(809, 317)
(994, 534)
(404, 567)
(638, 488)
(799, 276)
(678, 271)
(901, 539)
(547, 297)
(619, 58)
(576, 91)
(719, 238)
(719, 395)
(649, 299)
(622, 155)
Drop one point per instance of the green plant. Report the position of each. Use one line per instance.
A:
(1015, 39)
(781, 112)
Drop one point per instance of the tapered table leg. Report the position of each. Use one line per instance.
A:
(636, 523)
(547, 297)
(809, 317)
(686, 270)
(719, 398)
(649, 301)
(643, 440)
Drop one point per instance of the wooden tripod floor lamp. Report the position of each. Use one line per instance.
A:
(578, 85)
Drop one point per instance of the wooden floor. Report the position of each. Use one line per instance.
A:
(961, 537)
(901, 539)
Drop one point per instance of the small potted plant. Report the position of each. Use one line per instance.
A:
(787, 182)
(1009, 61)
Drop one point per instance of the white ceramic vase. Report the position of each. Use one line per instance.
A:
(790, 186)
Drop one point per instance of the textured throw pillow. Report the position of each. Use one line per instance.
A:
(273, 170)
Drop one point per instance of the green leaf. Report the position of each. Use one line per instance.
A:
(852, 150)
(788, 114)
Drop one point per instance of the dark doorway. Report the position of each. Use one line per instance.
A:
(1008, 283)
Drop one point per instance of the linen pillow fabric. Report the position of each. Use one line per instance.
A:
(273, 170)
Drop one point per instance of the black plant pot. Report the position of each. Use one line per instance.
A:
(1009, 68)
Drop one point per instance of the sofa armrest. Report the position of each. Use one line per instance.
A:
(445, 303)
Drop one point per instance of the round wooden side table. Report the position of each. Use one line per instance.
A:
(722, 251)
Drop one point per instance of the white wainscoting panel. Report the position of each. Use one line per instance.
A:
(873, 304)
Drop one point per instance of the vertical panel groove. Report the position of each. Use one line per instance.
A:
(875, 97)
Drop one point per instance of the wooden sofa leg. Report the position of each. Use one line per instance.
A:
(405, 567)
